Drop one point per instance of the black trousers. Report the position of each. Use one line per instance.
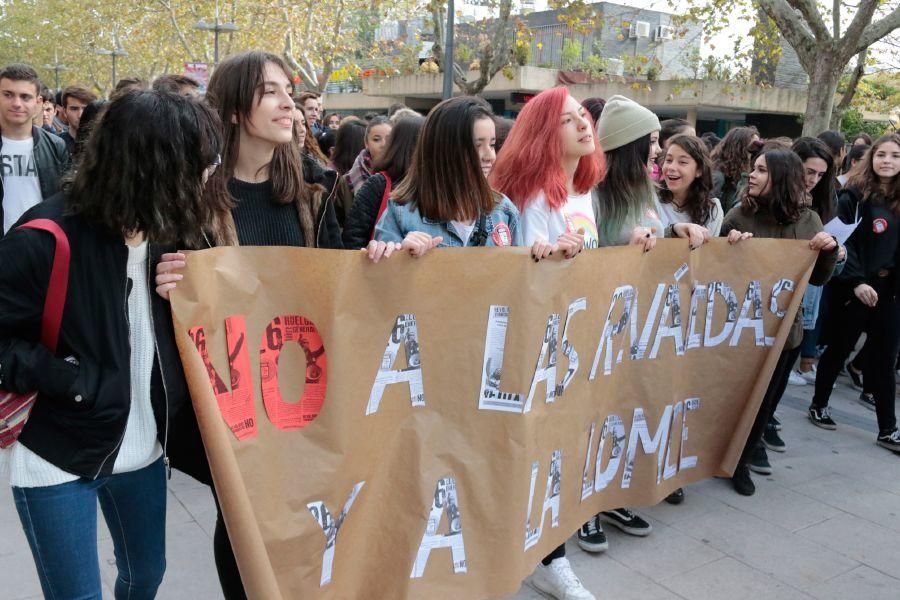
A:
(777, 385)
(849, 318)
(226, 564)
(559, 552)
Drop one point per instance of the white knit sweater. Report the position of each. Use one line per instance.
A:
(139, 446)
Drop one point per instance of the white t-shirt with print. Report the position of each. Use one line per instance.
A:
(540, 222)
(464, 230)
(21, 187)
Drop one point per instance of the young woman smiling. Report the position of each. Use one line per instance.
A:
(864, 297)
(685, 194)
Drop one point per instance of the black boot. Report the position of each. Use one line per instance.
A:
(742, 482)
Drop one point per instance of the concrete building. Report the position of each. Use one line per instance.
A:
(712, 105)
(619, 33)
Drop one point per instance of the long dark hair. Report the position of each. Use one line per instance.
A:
(399, 152)
(786, 197)
(142, 169)
(732, 155)
(349, 141)
(235, 89)
(823, 195)
(698, 202)
(445, 179)
(627, 189)
(867, 181)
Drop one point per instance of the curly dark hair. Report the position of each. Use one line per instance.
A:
(143, 168)
(732, 155)
(786, 199)
(699, 204)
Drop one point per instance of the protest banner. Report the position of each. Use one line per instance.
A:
(431, 428)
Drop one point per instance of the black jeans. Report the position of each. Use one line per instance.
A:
(559, 552)
(850, 318)
(226, 564)
(777, 385)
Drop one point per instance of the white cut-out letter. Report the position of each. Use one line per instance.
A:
(490, 397)
(649, 445)
(615, 428)
(724, 290)
(551, 498)
(445, 501)
(404, 333)
(567, 347)
(546, 374)
(331, 528)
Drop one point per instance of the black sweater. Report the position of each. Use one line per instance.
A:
(261, 222)
(361, 219)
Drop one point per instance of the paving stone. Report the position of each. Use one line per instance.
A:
(862, 582)
(731, 579)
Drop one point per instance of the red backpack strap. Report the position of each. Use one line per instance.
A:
(59, 281)
(385, 197)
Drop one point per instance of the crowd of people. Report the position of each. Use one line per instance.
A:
(160, 167)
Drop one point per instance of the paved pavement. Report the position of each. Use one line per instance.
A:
(825, 525)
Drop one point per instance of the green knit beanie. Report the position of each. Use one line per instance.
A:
(624, 121)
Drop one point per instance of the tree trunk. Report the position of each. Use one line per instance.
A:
(852, 84)
(820, 102)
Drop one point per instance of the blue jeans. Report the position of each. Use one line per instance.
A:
(60, 522)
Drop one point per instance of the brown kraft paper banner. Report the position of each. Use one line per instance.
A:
(431, 428)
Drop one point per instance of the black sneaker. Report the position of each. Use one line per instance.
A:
(856, 377)
(627, 521)
(759, 462)
(821, 417)
(772, 440)
(742, 482)
(591, 537)
(891, 440)
(776, 422)
(867, 400)
(676, 497)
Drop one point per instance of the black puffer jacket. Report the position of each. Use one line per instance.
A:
(79, 418)
(338, 202)
(361, 220)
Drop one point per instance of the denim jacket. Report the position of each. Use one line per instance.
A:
(809, 308)
(500, 227)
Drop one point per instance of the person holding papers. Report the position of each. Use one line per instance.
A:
(864, 296)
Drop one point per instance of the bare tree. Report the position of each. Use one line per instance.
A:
(493, 51)
(825, 52)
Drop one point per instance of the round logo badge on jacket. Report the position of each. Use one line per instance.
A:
(501, 235)
(879, 225)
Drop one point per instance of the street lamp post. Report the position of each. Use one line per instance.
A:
(448, 53)
(216, 28)
(56, 67)
(115, 53)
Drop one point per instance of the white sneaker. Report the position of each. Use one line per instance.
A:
(560, 581)
(796, 378)
(809, 376)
